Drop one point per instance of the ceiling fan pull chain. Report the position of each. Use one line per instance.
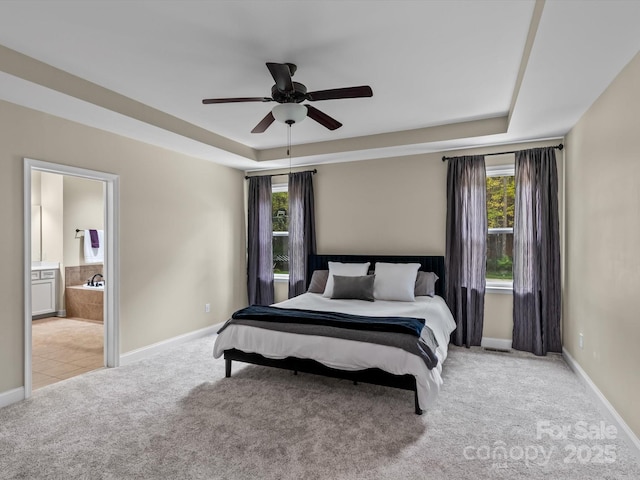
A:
(289, 146)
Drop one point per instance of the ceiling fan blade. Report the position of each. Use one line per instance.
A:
(264, 123)
(282, 76)
(322, 118)
(335, 93)
(207, 101)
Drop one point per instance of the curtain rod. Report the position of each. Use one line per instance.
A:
(559, 147)
(314, 171)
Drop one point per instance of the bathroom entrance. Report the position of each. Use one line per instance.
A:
(70, 240)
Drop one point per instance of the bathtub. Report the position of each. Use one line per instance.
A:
(85, 301)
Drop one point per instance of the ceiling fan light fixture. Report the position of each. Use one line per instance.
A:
(289, 113)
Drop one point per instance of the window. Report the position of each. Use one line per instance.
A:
(280, 214)
(500, 213)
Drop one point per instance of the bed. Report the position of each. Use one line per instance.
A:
(348, 358)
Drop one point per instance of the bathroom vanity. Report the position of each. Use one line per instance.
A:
(44, 288)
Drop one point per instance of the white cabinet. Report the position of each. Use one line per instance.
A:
(44, 292)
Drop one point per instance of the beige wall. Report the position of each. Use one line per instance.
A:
(385, 206)
(182, 235)
(603, 255)
(498, 316)
(36, 217)
(280, 291)
(36, 186)
(51, 198)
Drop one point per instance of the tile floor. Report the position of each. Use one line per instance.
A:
(63, 348)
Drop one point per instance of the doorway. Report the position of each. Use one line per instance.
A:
(35, 301)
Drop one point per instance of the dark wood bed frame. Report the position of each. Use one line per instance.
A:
(371, 375)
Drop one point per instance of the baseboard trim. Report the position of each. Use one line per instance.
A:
(11, 396)
(497, 343)
(634, 442)
(144, 352)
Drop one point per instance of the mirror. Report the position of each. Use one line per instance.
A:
(36, 233)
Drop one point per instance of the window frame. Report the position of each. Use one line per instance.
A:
(279, 188)
(494, 285)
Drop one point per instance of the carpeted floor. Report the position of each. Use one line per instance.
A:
(175, 416)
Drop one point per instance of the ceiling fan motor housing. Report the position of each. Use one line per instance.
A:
(298, 95)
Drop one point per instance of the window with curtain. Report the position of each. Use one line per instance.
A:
(281, 235)
(280, 222)
(500, 216)
(259, 242)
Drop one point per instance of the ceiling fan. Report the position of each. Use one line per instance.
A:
(290, 95)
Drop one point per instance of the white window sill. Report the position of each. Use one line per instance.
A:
(499, 287)
(281, 277)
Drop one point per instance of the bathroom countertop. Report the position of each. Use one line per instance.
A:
(44, 266)
(87, 287)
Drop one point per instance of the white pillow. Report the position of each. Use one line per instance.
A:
(345, 270)
(395, 281)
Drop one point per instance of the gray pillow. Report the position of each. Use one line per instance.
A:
(425, 284)
(353, 288)
(318, 281)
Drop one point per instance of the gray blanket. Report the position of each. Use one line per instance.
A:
(409, 343)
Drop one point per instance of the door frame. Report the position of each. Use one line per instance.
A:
(111, 259)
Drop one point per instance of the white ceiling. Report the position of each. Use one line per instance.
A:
(429, 63)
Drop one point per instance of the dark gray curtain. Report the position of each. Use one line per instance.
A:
(260, 238)
(466, 248)
(536, 253)
(302, 229)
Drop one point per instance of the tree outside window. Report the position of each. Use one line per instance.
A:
(280, 214)
(500, 214)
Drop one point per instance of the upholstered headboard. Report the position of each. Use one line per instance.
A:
(433, 264)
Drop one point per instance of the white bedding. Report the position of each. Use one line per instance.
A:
(349, 354)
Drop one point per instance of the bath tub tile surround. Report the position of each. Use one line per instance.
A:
(81, 301)
(79, 275)
(84, 303)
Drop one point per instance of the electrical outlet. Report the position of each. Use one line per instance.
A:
(581, 340)
(207, 307)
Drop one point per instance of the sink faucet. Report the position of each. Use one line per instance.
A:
(92, 282)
